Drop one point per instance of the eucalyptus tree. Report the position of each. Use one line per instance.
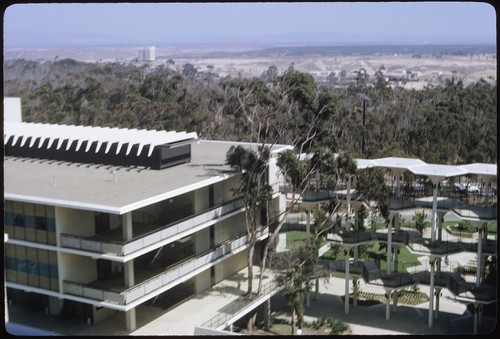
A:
(297, 278)
(254, 190)
(371, 186)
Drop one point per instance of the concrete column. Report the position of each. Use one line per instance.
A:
(127, 226)
(267, 313)
(396, 262)
(128, 270)
(387, 304)
(346, 302)
(479, 255)
(348, 198)
(130, 320)
(480, 315)
(308, 223)
(487, 193)
(355, 280)
(356, 219)
(398, 188)
(431, 292)
(316, 294)
(476, 311)
(434, 212)
(440, 225)
(355, 291)
(395, 300)
(389, 247)
(128, 267)
(438, 292)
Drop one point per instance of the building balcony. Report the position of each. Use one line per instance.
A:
(450, 244)
(358, 237)
(464, 205)
(339, 266)
(472, 206)
(151, 282)
(371, 274)
(463, 290)
(149, 234)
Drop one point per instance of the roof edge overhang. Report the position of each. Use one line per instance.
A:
(115, 209)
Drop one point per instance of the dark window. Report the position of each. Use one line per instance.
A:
(18, 220)
(101, 222)
(41, 223)
(103, 268)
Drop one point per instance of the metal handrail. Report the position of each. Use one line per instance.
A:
(241, 302)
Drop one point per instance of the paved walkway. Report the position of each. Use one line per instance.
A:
(453, 317)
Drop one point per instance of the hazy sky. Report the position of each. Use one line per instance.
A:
(336, 22)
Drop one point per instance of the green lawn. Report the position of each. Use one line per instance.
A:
(373, 252)
(293, 236)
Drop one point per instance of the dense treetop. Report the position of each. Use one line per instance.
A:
(448, 124)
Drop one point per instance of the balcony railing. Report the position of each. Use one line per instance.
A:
(120, 248)
(459, 286)
(183, 269)
(243, 301)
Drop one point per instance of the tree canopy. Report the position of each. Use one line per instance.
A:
(448, 124)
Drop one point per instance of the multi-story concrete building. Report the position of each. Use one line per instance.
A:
(102, 220)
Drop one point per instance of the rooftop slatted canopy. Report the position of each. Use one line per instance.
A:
(103, 139)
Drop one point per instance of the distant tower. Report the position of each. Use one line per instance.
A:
(147, 54)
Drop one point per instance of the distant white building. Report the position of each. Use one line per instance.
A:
(12, 109)
(147, 54)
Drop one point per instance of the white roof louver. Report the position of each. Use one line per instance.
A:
(103, 137)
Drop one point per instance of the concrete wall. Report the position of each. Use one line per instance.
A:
(201, 241)
(201, 199)
(115, 221)
(76, 268)
(55, 305)
(275, 177)
(73, 221)
(229, 184)
(202, 281)
(234, 264)
(228, 228)
(101, 313)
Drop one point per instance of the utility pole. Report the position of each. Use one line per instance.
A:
(363, 130)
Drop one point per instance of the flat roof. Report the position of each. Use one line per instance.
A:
(397, 162)
(114, 189)
(481, 169)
